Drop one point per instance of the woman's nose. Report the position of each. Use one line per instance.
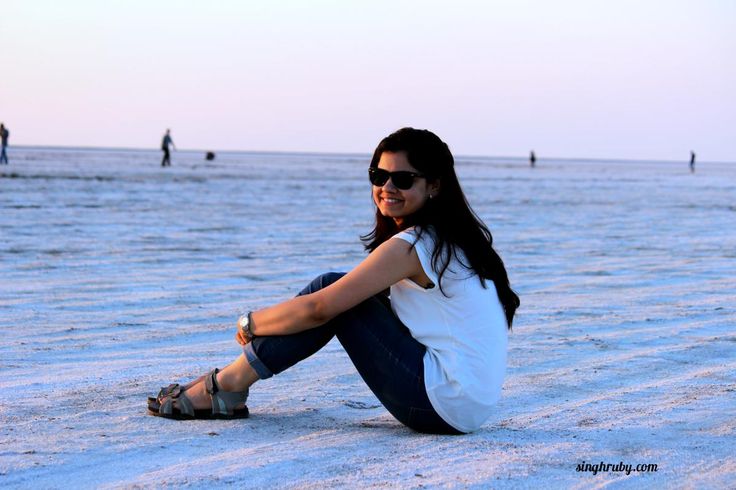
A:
(389, 186)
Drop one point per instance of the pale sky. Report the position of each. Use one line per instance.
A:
(648, 79)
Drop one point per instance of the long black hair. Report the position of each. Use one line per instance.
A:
(454, 224)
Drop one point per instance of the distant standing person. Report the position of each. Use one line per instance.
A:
(532, 159)
(692, 161)
(4, 133)
(165, 147)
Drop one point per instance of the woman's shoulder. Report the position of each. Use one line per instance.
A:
(420, 238)
(414, 234)
(417, 231)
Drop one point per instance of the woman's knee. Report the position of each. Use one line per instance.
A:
(322, 281)
(329, 277)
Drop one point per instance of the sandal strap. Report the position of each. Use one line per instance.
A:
(182, 404)
(172, 389)
(223, 402)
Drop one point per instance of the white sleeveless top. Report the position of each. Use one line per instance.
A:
(465, 334)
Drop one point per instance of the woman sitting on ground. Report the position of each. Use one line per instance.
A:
(433, 351)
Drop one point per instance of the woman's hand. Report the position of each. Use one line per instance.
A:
(240, 337)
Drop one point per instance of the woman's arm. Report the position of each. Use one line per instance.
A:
(391, 262)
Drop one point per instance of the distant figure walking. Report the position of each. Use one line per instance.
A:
(166, 161)
(4, 133)
(692, 161)
(532, 159)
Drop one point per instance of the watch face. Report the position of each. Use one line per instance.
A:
(243, 321)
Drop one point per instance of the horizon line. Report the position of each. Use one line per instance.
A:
(306, 152)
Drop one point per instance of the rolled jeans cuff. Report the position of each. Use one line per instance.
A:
(250, 354)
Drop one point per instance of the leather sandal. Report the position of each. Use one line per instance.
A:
(175, 405)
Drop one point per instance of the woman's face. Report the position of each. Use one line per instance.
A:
(398, 203)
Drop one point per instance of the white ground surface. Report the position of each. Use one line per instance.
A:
(119, 277)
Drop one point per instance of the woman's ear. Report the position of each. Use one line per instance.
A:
(434, 188)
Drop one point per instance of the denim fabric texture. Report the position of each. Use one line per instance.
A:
(388, 358)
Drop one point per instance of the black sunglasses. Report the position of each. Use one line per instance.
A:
(402, 179)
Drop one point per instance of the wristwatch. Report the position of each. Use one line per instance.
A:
(245, 323)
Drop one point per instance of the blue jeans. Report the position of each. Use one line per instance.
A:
(388, 358)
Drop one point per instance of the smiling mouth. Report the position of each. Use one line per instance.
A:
(391, 200)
